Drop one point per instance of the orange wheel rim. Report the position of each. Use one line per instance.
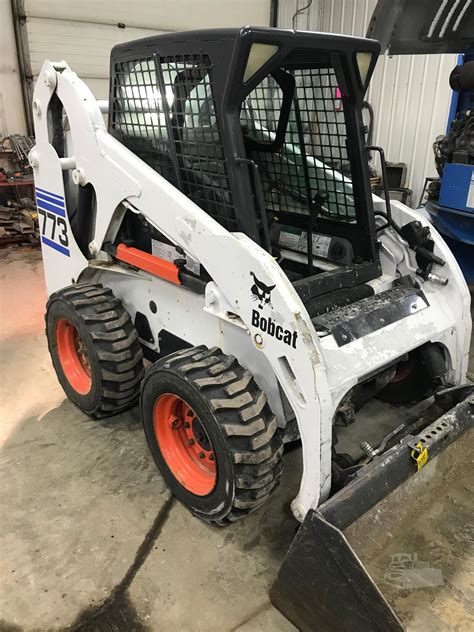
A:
(184, 444)
(73, 357)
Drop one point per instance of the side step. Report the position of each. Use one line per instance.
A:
(370, 314)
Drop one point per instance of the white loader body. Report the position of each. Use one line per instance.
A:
(279, 342)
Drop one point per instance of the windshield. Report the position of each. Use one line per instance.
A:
(312, 158)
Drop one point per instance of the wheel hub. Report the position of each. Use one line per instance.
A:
(82, 353)
(184, 444)
(73, 356)
(200, 435)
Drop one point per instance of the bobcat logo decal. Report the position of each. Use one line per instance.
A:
(261, 292)
(266, 324)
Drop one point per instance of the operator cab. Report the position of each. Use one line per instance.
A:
(261, 128)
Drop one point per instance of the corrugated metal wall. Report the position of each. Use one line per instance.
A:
(12, 118)
(410, 94)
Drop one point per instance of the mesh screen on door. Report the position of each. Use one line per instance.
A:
(313, 157)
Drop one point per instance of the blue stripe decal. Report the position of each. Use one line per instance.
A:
(45, 206)
(48, 198)
(53, 195)
(53, 244)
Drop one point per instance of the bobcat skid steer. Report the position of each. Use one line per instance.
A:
(222, 227)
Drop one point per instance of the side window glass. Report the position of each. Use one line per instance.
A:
(196, 135)
(199, 107)
(260, 111)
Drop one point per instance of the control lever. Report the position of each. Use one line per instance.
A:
(383, 165)
(373, 452)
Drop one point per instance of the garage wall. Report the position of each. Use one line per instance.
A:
(85, 46)
(12, 118)
(83, 31)
(410, 94)
(168, 15)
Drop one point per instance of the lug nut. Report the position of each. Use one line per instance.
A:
(201, 455)
(176, 423)
(191, 442)
(186, 424)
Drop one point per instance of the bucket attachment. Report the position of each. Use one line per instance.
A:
(322, 584)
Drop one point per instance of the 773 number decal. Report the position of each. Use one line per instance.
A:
(54, 227)
(52, 219)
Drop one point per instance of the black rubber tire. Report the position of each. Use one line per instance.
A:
(111, 342)
(238, 420)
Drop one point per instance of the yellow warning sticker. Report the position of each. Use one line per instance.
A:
(420, 454)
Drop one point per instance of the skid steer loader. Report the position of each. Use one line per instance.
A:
(222, 228)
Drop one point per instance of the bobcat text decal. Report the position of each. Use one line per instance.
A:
(262, 294)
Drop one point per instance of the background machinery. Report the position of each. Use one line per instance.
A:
(450, 200)
(421, 27)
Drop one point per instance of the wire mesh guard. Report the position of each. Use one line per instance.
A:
(138, 116)
(167, 117)
(313, 157)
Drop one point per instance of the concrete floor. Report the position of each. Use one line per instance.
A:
(91, 539)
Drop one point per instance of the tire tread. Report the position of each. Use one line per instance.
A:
(115, 342)
(241, 409)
